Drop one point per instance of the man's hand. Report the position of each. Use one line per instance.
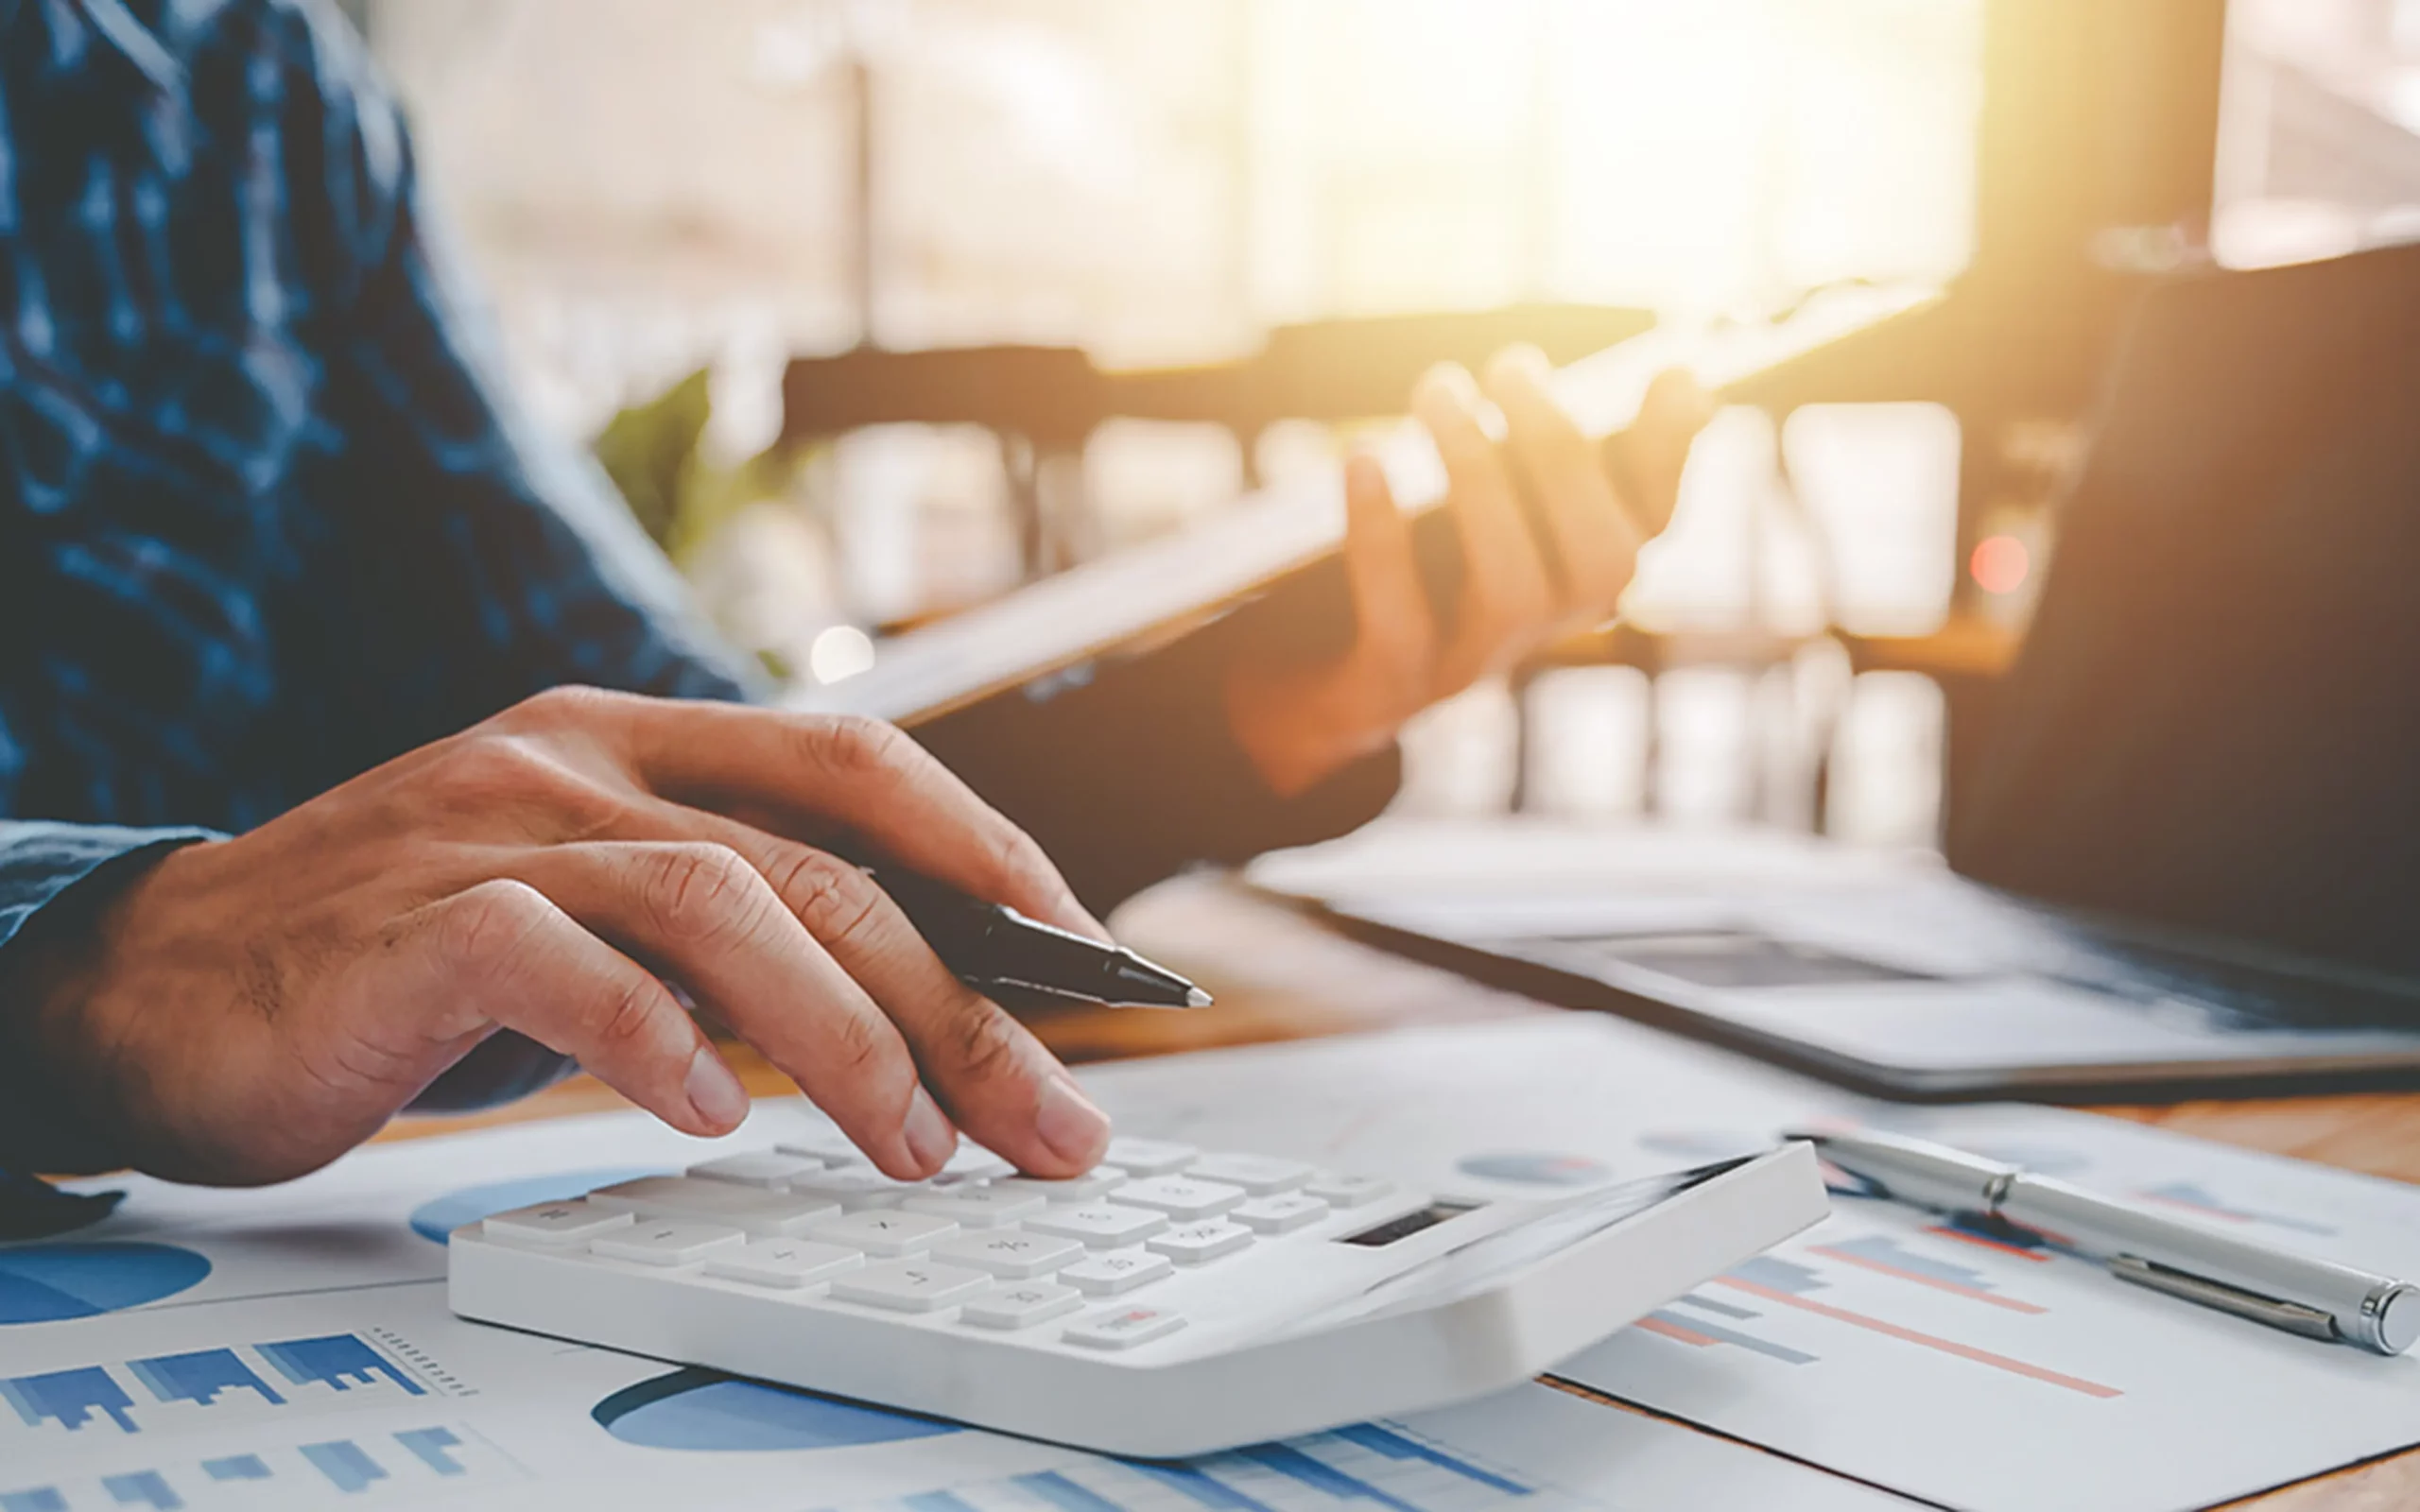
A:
(1301, 719)
(247, 1010)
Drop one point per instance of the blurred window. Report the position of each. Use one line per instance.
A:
(2318, 130)
(651, 184)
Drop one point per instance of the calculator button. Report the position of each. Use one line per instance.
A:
(911, 1285)
(1017, 1307)
(1149, 1156)
(757, 1168)
(783, 1262)
(1118, 1271)
(1101, 1225)
(829, 1145)
(1190, 1243)
(554, 1223)
(774, 1214)
(882, 1231)
(1125, 1328)
(1260, 1174)
(1181, 1196)
(1347, 1191)
(1280, 1214)
(672, 1243)
(975, 1207)
(975, 1163)
(1016, 1256)
(853, 1187)
(1098, 1182)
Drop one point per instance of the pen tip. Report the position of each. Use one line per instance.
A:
(1196, 998)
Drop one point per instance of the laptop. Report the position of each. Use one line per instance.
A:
(2190, 859)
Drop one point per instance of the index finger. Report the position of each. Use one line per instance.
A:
(1649, 457)
(861, 775)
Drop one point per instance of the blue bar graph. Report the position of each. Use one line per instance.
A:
(1719, 1309)
(1294, 1464)
(428, 1444)
(200, 1377)
(237, 1468)
(1066, 1494)
(1392, 1445)
(41, 1499)
(347, 1466)
(72, 1397)
(1779, 1275)
(1383, 1467)
(1698, 1331)
(1214, 1495)
(143, 1488)
(339, 1360)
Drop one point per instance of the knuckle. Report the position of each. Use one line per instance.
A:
(988, 1043)
(1018, 855)
(856, 746)
(700, 892)
(861, 1050)
(567, 704)
(519, 774)
(831, 898)
(629, 1018)
(498, 767)
(484, 928)
(498, 773)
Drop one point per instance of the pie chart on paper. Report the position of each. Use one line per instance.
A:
(49, 1283)
(434, 1220)
(705, 1410)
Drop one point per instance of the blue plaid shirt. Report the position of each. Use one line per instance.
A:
(266, 518)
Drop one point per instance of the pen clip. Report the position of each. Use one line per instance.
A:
(2292, 1316)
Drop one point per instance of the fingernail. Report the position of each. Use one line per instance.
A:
(1524, 361)
(1076, 1131)
(930, 1139)
(1446, 392)
(720, 1102)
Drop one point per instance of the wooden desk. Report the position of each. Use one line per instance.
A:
(1279, 976)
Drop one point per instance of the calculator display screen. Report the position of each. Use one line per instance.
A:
(1408, 1224)
(1495, 1251)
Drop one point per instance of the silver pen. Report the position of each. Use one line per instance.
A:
(2317, 1298)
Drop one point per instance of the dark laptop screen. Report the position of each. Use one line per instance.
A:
(2215, 725)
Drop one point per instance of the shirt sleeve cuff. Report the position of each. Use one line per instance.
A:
(39, 860)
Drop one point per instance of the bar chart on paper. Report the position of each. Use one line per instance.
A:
(203, 1387)
(302, 1422)
(1382, 1468)
(403, 1463)
(1782, 1307)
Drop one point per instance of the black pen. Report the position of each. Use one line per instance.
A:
(991, 945)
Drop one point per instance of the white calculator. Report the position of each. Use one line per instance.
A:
(1174, 1301)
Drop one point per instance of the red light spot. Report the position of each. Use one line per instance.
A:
(1999, 564)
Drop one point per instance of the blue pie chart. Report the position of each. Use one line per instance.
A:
(48, 1283)
(436, 1219)
(694, 1409)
